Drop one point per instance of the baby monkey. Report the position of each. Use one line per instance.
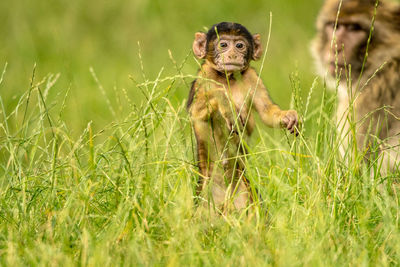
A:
(220, 103)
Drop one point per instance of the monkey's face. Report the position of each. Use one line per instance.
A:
(344, 46)
(231, 53)
(227, 47)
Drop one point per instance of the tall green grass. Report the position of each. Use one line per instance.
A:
(99, 169)
(124, 194)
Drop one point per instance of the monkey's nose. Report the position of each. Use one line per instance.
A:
(232, 56)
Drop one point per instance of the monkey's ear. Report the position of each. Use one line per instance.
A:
(257, 50)
(199, 45)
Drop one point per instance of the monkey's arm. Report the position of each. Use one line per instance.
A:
(270, 113)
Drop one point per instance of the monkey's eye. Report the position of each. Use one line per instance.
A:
(353, 27)
(239, 45)
(330, 24)
(223, 44)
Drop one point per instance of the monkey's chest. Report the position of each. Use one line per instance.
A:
(242, 100)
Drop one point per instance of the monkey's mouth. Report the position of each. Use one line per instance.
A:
(231, 66)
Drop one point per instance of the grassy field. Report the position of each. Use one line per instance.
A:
(97, 162)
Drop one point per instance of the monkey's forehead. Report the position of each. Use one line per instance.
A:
(229, 28)
(360, 11)
(230, 37)
(349, 7)
(350, 11)
(234, 32)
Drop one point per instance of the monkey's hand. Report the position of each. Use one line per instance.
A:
(290, 121)
(234, 126)
(231, 125)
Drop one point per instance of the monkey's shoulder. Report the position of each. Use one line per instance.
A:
(251, 72)
(250, 76)
(191, 95)
(199, 96)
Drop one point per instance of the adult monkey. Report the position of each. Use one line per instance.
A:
(220, 103)
(368, 70)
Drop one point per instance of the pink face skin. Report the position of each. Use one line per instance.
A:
(349, 37)
(231, 53)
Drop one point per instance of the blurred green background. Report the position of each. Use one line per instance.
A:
(69, 37)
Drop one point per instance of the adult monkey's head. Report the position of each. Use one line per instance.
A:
(344, 28)
(227, 46)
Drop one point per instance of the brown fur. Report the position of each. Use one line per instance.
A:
(376, 98)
